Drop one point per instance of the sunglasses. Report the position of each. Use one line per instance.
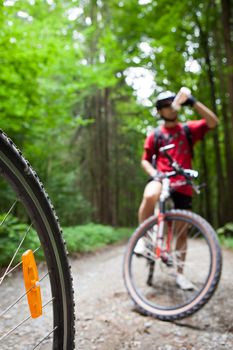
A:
(165, 105)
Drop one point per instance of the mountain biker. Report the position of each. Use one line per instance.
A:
(172, 131)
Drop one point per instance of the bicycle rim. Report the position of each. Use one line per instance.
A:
(39, 232)
(199, 262)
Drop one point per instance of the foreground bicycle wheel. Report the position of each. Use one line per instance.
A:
(151, 281)
(54, 329)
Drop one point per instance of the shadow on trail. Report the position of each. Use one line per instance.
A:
(189, 326)
(216, 316)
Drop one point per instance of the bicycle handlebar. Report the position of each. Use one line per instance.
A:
(187, 173)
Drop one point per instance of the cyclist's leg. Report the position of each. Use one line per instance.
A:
(181, 201)
(181, 230)
(150, 197)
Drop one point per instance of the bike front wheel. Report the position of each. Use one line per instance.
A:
(29, 227)
(189, 250)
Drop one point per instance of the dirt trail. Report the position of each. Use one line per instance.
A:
(107, 320)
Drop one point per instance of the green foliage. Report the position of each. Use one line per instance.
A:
(226, 242)
(226, 230)
(87, 238)
(79, 239)
(63, 187)
(66, 103)
(12, 232)
(225, 235)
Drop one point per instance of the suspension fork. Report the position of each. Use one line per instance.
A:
(160, 237)
(169, 236)
(161, 217)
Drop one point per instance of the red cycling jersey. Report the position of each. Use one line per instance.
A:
(181, 152)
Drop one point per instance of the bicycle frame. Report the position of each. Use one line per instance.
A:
(165, 194)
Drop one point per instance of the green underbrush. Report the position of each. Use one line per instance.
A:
(79, 239)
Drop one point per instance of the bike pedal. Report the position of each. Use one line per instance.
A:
(167, 260)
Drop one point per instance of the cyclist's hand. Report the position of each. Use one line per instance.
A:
(158, 176)
(189, 102)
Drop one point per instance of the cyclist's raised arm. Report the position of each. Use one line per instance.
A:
(205, 112)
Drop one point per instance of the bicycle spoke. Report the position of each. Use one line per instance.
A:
(8, 213)
(24, 321)
(194, 236)
(180, 232)
(13, 329)
(20, 263)
(11, 262)
(46, 337)
(21, 297)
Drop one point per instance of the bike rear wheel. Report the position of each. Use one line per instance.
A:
(190, 248)
(39, 232)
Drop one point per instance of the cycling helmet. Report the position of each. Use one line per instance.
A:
(164, 99)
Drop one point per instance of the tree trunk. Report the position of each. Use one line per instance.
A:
(220, 185)
(227, 9)
(226, 125)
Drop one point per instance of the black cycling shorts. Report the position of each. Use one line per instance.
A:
(181, 201)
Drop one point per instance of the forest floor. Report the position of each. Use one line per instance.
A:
(106, 319)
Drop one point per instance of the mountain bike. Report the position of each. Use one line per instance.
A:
(36, 293)
(176, 241)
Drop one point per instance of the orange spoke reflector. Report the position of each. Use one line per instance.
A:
(31, 282)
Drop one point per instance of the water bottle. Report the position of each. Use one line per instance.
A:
(181, 97)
